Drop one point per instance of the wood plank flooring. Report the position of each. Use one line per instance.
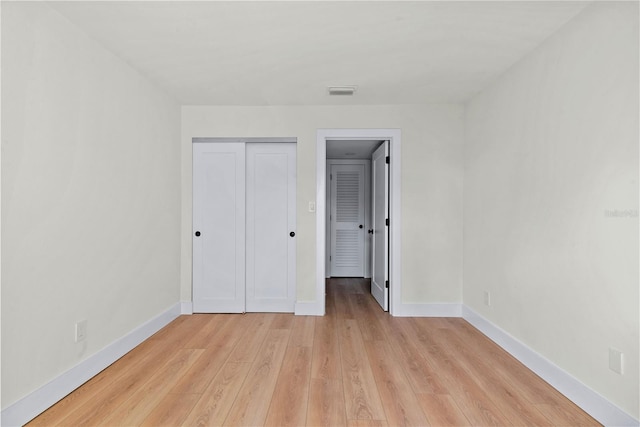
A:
(356, 366)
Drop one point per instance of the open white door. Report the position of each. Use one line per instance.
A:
(347, 220)
(380, 204)
(219, 228)
(271, 226)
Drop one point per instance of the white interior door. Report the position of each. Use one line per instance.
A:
(271, 226)
(219, 228)
(380, 203)
(347, 220)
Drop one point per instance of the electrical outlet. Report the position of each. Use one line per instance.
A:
(312, 206)
(81, 331)
(487, 298)
(616, 361)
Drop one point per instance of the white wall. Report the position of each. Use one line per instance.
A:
(550, 148)
(90, 197)
(96, 196)
(431, 184)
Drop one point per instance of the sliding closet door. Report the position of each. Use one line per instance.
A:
(219, 227)
(271, 226)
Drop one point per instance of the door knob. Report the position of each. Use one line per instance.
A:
(370, 231)
(360, 226)
(292, 234)
(197, 234)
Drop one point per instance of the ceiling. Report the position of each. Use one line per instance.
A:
(287, 53)
(351, 149)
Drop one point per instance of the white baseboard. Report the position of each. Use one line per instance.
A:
(308, 308)
(30, 406)
(591, 402)
(429, 310)
(186, 307)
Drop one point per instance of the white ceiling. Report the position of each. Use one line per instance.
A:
(287, 53)
(351, 149)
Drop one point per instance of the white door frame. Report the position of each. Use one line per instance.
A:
(395, 278)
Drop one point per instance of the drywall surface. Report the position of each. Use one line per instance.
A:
(90, 197)
(431, 184)
(551, 200)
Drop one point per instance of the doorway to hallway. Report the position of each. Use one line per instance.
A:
(357, 213)
(335, 149)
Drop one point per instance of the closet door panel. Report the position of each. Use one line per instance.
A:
(270, 223)
(219, 228)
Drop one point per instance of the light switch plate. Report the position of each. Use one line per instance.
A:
(312, 206)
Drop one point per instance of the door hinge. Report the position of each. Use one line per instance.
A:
(330, 177)
(386, 284)
(329, 257)
(386, 222)
(387, 160)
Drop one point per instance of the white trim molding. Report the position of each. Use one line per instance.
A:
(186, 307)
(309, 308)
(30, 406)
(591, 402)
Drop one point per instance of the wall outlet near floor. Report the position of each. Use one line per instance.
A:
(81, 331)
(487, 298)
(616, 361)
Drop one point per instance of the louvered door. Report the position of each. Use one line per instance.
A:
(347, 220)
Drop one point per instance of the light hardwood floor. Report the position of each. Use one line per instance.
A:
(356, 366)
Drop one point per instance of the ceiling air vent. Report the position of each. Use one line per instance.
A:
(342, 90)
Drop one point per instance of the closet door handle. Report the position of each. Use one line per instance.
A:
(292, 234)
(361, 226)
(197, 234)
